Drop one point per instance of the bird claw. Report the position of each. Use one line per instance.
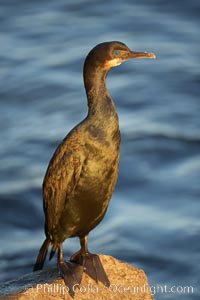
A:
(71, 273)
(92, 266)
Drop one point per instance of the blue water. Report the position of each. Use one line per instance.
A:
(153, 219)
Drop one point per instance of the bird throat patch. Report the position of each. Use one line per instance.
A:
(112, 63)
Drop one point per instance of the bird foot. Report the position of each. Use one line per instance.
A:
(71, 273)
(92, 266)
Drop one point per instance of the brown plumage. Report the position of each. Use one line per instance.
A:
(83, 171)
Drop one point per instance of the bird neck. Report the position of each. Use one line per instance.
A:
(102, 112)
(100, 103)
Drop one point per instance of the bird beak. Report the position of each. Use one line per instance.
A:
(127, 55)
(133, 54)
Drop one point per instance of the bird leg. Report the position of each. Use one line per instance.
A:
(69, 271)
(91, 263)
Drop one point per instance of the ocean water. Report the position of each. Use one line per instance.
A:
(153, 219)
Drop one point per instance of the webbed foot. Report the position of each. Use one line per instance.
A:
(71, 273)
(92, 266)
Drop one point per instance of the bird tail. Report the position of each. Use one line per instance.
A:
(41, 256)
(53, 251)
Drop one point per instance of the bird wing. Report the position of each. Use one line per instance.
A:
(60, 181)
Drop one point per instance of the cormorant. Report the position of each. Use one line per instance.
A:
(83, 171)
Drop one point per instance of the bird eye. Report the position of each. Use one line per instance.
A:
(116, 52)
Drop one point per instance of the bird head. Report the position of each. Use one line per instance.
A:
(112, 54)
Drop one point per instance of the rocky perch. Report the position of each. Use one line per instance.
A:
(127, 282)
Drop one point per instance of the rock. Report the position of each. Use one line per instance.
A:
(127, 282)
